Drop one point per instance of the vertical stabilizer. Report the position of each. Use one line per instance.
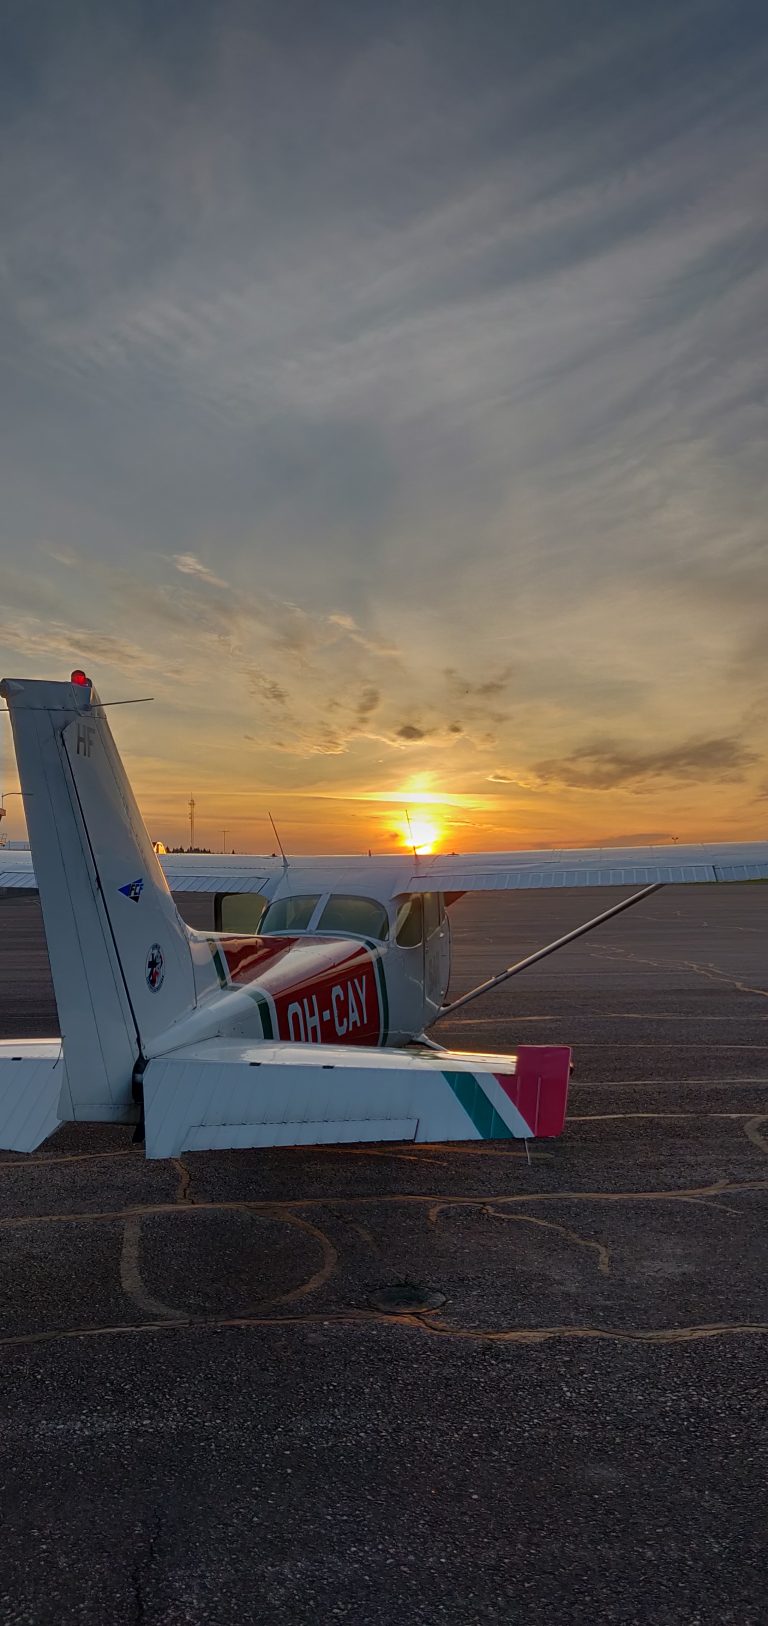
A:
(120, 954)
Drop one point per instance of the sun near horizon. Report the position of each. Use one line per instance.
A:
(420, 833)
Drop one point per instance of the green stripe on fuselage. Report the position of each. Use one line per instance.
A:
(260, 999)
(472, 1097)
(219, 962)
(264, 1011)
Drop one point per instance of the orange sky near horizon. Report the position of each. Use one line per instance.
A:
(339, 728)
(525, 813)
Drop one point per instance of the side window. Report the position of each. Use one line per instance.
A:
(363, 916)
(239, 912)
(409, 925)
(431, 913)
(290, 914)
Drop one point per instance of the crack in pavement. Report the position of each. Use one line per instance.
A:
(420, 1322)
(319, 1277)
(23, 1162)
(705, 969)
(284, 1206)
(133, 1285)
(183, 1192)
(603, 1261)
(159, 1316)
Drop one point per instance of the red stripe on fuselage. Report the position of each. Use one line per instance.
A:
(324, 989)
(247, 957)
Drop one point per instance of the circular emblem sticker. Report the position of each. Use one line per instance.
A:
(155, 968)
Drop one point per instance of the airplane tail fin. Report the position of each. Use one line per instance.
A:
(121, 956)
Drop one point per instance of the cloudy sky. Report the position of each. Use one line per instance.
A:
(384, 392)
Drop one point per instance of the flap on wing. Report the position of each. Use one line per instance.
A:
(182, 878)
(223, 1093)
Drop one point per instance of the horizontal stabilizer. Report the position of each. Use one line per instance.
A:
(225, 1093)
(32, 1076)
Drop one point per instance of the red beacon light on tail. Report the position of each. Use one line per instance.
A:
(80, 679)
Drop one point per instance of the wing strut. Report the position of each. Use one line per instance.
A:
(551, 948)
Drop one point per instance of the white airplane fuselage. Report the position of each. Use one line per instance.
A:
(313, 987)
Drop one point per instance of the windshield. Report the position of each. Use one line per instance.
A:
(363, 916)
(289, 914)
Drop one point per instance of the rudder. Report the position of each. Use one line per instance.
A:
(121, 957)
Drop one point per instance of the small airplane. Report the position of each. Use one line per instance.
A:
(301, 1018)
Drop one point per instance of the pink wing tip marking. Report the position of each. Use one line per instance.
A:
(539, 1087)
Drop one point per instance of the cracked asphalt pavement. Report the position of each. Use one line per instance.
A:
(210, 1414)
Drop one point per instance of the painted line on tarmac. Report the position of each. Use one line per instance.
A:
(606, 1117)
(667, 1083)
(130, 1275)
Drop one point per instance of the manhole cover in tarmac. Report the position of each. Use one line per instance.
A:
(406, 1296)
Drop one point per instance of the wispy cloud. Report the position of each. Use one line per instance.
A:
(72, 644)
(605, 763)
(408, 377)
(190, 566)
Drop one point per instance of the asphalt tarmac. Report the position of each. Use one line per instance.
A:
(213, 1409)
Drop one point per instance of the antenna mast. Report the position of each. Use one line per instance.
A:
(410, 829)
(191, 821)
(277, 839)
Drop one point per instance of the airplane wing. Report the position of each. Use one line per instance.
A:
(454, 872)
(184, 872)
(593, 866)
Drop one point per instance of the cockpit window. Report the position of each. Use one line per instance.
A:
(240, 912)
(363, 916)
(432, 912)
(409, 926)
(289, 914)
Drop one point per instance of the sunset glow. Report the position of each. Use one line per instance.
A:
(448, 416)
(420, 832)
